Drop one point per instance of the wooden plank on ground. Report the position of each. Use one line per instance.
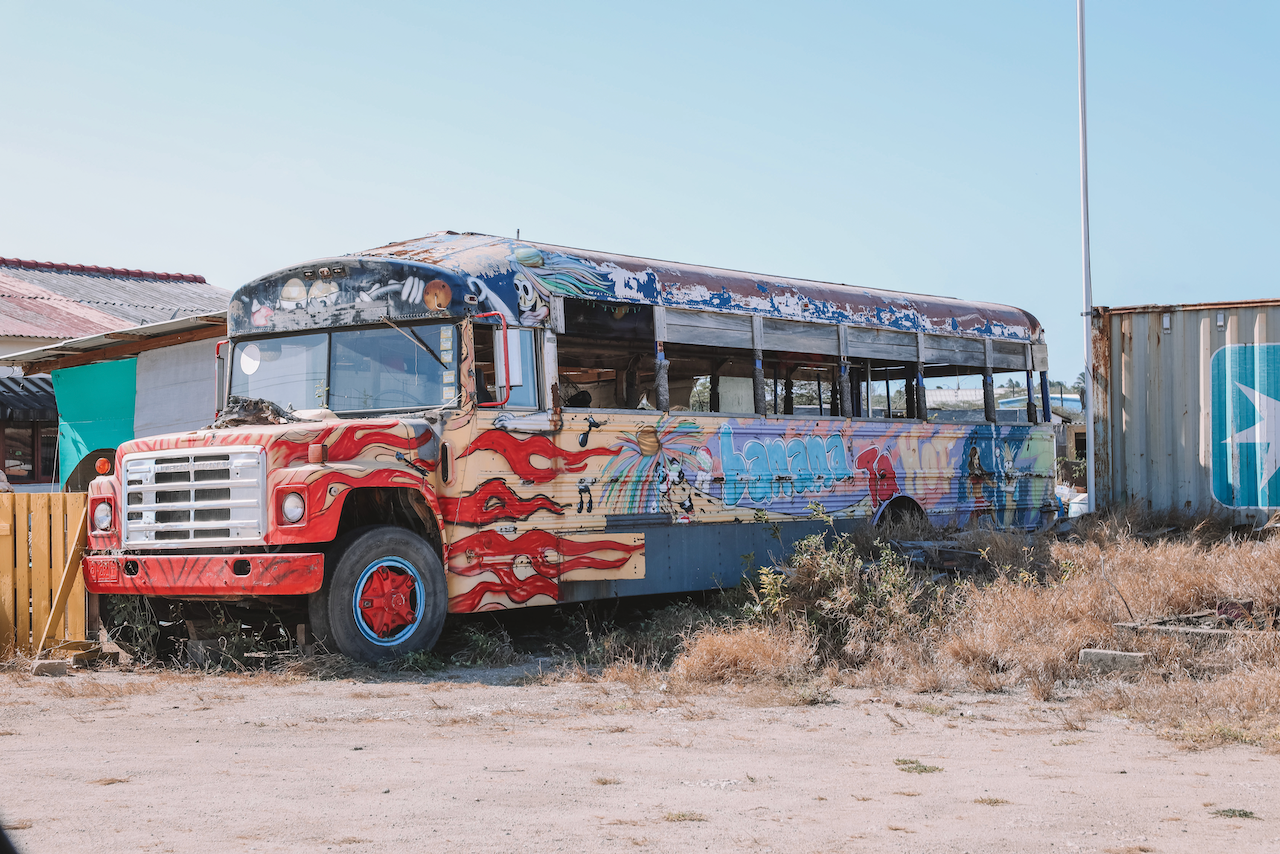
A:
(53, 626)
(42, 579)
(8, 597)
(77, 605)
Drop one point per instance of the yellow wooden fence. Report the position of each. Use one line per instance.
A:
(38, 533)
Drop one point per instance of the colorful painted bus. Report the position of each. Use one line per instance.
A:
(463, 423)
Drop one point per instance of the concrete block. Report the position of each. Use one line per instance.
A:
(1111, 661)
(56, 667)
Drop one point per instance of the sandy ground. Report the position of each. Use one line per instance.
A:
(108, 762)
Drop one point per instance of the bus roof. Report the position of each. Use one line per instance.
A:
(448, 274)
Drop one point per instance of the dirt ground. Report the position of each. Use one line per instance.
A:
(483, 761)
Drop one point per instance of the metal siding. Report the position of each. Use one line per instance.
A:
(798, 337)
(1125, 412)
(1202, 424)
(709, 329)
(175, 389)
(1154, 393)
(681, 558)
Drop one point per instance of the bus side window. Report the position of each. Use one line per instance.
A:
(494, 356)
(709, 379)
(606, 356)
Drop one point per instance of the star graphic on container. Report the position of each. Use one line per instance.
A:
(1259, 434)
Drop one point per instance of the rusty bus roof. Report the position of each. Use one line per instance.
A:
(716, 289)
(449, 273)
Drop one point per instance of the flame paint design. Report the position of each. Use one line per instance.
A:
(485, 550)
(197, 575)
(549, 556)
(519, 454)
(494, 500)
(508, 585)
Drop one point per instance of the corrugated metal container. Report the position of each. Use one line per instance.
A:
(1181, 397)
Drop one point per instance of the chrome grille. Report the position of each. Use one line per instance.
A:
(210, 497)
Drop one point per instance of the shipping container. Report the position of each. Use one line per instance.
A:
(1187, 401)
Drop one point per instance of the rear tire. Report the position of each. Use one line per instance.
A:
(903, 518)
(386, 596)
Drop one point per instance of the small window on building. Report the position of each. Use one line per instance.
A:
(19, 461)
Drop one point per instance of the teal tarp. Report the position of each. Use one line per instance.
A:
(95, 409)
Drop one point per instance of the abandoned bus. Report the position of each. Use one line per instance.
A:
(463, 423)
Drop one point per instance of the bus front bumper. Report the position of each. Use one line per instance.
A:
(219, 576)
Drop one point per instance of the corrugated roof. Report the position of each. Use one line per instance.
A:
(27, 399)
(30, 311)
(120, 342)
(108, 294)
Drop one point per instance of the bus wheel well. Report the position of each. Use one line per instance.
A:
(902, 517)
(402, 507)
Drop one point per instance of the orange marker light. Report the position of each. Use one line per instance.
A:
(103, 465)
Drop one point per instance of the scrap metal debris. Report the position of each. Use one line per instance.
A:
(1227, 619)
(242, 411)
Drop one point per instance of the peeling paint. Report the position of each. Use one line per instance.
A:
(453, 274)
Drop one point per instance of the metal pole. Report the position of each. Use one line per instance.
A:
(1088, 282)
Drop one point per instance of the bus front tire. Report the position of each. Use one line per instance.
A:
(386, 596)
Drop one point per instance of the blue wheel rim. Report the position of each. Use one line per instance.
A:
(419, 597)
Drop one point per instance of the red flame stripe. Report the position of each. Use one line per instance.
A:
(519, 453)
(492, 501)
(489, 551)
(514, 589)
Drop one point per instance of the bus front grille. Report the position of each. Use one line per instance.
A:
(210, 497)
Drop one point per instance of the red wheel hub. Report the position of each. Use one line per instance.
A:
(385, 601)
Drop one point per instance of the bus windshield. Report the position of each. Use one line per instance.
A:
(412, 367)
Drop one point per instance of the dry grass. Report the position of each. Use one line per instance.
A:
(92, 688)
(17, 664)
(1242, 707)
(323, 667)
(684, 816)
(845, 614)
(990, 802)
(744, 653)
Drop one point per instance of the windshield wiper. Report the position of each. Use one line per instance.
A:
(416, 339)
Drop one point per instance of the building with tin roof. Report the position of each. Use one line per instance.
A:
(44, 304)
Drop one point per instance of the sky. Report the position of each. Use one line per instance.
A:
(930, 147)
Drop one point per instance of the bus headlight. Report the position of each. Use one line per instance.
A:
(292, 507)
(102, 516)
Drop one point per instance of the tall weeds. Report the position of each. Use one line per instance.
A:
(863, 613)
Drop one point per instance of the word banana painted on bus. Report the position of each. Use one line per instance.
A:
(784, 467)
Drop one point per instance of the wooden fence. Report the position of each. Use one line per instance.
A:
(38, 531)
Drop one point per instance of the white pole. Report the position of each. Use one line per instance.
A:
(1088, 281)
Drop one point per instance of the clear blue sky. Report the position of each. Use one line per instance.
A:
(926, 146)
